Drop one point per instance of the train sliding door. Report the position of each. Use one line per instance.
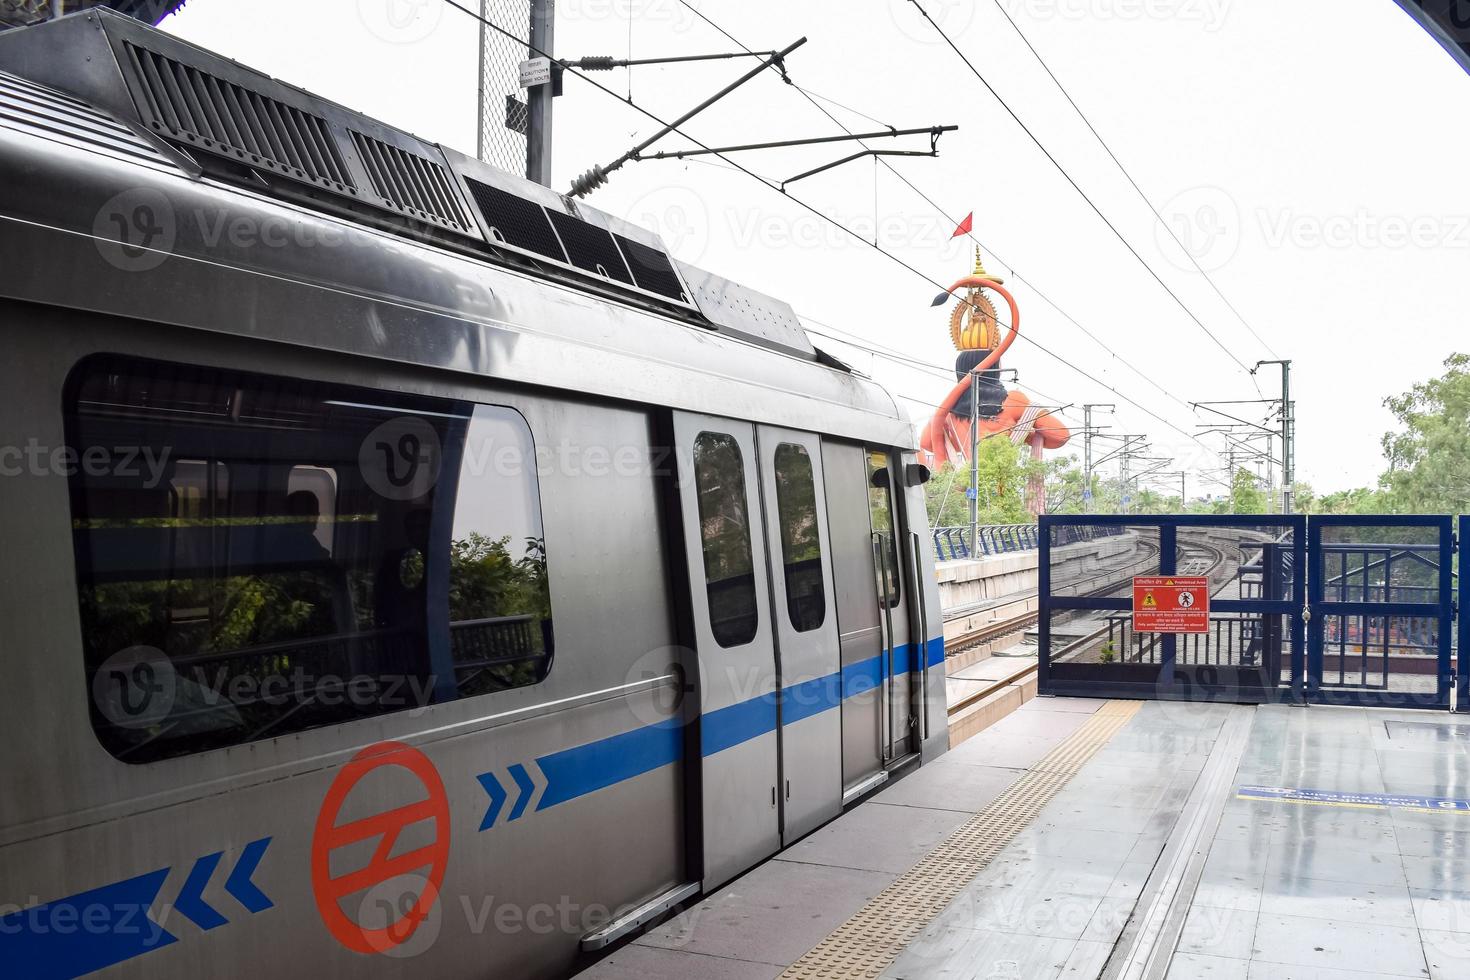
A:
(730, 602)
(903, 658)
(808, 658)
(872, 622)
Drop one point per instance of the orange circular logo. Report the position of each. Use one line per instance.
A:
(431, 860)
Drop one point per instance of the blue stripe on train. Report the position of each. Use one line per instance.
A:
(728, 727)
(583, 769)
(87, 932)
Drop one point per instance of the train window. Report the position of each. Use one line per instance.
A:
(499, 600)
(801, 542)
(259, 556)
(880, 513)
(724, 529)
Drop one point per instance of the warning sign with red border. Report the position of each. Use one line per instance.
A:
(1171, 604)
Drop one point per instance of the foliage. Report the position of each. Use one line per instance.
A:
(241, 611)
(1246, 495)
(484, 581)
(1004, 469)
(1429, 456)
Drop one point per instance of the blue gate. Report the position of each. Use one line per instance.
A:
(1254, 648)
(1381, 602)
(1326, 610)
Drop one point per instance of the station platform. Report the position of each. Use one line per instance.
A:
(1080, 838)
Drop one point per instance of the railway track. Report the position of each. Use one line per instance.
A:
(1201, 559)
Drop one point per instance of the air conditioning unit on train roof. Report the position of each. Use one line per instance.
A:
(243, 126)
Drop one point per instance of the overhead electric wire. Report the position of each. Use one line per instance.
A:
(845, 108)
(915, 364)
(808, 207)
(786, 77)
(737, 166)
(1114, 157)
(1078, 188)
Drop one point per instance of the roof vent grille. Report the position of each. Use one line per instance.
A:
(411, 184)
(591, 248)
(516, 221)
(652, 269)
(208, 112)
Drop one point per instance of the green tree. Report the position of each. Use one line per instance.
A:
(1246, 495)
(1065, 487)
(1361, 500)
(1002, 488)
(1429, 456)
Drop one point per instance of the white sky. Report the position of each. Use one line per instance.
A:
(1310, 154)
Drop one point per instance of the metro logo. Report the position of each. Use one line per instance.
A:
(432, 859)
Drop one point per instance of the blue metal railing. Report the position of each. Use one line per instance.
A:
(999, 539)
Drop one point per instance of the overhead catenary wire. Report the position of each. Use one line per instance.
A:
(734, 165)
(1114, 157)
(786, 77)
(1078, 188)
(904, 360)
(809, 208)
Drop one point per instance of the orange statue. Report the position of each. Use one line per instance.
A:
(976, 332)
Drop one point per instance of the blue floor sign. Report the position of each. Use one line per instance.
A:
(1326, 797)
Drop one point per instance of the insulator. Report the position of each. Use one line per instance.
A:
(589, 182)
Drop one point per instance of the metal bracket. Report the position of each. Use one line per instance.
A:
(857, 156)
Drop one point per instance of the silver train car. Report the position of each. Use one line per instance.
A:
(409, 572)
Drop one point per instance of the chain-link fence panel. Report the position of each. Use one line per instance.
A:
(503, 114)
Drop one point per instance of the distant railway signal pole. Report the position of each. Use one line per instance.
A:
(1288, 436)
(1087, 433)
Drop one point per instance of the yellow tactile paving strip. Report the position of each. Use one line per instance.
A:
(868, 943)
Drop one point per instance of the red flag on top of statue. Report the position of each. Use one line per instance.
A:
(965, 226)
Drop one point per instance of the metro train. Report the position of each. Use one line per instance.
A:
(409, 572)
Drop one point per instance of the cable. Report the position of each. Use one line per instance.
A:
(846, 108)
(813, 210)
(786, 77)
(1109, 150)
(1077, 187)
(898, 357)
(749, 173)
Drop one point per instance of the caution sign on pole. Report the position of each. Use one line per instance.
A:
(1171, 604)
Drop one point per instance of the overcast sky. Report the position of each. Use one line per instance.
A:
(1309, 154)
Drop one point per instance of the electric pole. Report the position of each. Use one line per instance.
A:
(974, 462)
(1230, 468)
(1087, 433)
(539, 97)
(1124, 468)
(1288, 437)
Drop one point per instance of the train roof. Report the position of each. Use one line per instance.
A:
(150, 178)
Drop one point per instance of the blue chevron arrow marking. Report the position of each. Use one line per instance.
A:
(239, 884)
(191, 901)
(497, 795)
(527, 788)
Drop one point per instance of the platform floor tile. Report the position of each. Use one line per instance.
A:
(772, 915)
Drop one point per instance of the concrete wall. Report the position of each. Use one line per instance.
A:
(967, 582)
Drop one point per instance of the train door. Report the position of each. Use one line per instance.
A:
(730, 602)
(901, 657)
(808, 658)
(863, 615)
